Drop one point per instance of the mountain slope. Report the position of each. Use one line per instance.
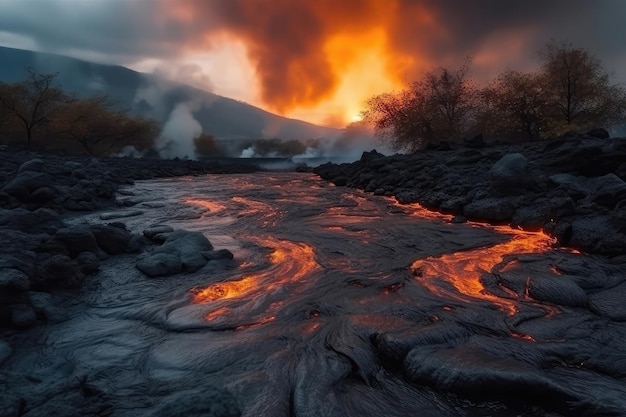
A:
(149, 95)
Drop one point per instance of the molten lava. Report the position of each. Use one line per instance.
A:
(212, 206)
(224, 290)
(269, 215)
(289, 263)
(463, 269)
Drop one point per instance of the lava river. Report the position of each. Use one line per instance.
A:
(341, 303)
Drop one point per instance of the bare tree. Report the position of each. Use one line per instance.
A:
(33, 101)
(516, 105)
(101, 129)
(451, 98)
(578, 88)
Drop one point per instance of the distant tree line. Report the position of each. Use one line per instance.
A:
(207, 146)
(570, 92)
(275, 147)
(36, 113)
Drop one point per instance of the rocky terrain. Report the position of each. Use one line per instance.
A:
(39, 253)
(349, 303)
(572, 187)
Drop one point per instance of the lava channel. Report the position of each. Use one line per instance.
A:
(464, 269)
(289, 262)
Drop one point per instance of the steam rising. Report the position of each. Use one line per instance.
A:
(304, 52)
(181, 128)
(348, 146)
(173, 104)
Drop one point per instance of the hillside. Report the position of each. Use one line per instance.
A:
(147, 94)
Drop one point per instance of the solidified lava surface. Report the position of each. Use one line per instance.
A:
(338, 303)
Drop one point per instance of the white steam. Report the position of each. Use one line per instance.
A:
(180, 127)
(311, 152)
(248, 153)
(347, 147)
(128, 151)
(153, 93)
(179, 132)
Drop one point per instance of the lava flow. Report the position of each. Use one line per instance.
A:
(464, 269)
(289, 263)
(269, 215)
(212, 206)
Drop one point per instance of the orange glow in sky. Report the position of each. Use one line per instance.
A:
(363, 68)
(317, 61)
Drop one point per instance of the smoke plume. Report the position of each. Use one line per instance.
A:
(314, 59)
(180, 130)
(306, 52)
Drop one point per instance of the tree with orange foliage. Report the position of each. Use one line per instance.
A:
(206, 145)
(439, 107)
(515, 106)
(400, 120)
(100, 129)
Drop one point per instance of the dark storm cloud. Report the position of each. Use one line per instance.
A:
(117, 27)
(149, 28)
(285, 38)
(593, 25)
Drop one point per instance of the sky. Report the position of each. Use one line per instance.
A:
(316, 60)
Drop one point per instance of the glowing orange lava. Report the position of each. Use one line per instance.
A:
(224, 290)
(269, 214)
(212, 206)
(289, 263)
(463, 269)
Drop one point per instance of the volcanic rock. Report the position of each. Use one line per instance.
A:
(89, 262)
(27, 221)
(181, 251)
(77, 239)
(468, 370)
(14, 279)
(509, 174)
(5, 351)
(35, 165)
(159, 264)
(189, 246)
(158, 233)
(599, 133)
(608, 190)
(610, 303)
(46, 306)
(59, 271)
(490, 209)
(113, 238)
(23, 316)
(218, 255)
(395, 345)
(210, 402)
(557, 290)
(598, 234)
(26, 182)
